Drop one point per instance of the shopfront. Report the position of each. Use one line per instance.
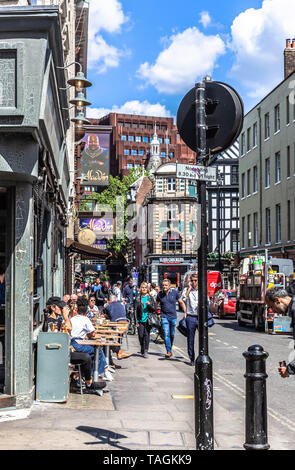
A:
(172, 268)
(34, 180)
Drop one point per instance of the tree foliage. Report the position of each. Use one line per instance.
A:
(117, 188)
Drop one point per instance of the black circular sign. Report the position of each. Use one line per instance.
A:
(224, 117)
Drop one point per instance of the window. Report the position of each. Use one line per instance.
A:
(172, 212)
(266, 126)
(288, 162)
(141, 152)
(278, 223)
(133, 152)
(142, 125)
(255, 179)
(167, 141)
(243, 232)
(243, 185)
(160, 140)
(248, 182)
(267, 172)
(171, 154)
(243, 144)
(145, 139)
(255, 229)
(135, 125)
(235, 241)
(126, 152)
(288, 109)
(138, 138)
(127, 124)
(172, 243)
(255, 135)
(248, 139)
(131, 138)
(277, 118)
(267, 226)
(129, 166)
(278, 167)
(234, 174)
(171, 184)
(123, 137)
(160, 185)
(234, 208)
(249, 229)
(163, 154)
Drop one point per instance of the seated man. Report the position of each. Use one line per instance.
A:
(82, 328)
(115, 312)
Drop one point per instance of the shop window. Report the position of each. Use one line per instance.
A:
(172, 243)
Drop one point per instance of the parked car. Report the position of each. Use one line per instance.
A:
(223, 303)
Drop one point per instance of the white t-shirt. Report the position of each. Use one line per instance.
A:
(81, 325)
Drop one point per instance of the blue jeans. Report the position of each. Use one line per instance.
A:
(168, 325)
(87, 348)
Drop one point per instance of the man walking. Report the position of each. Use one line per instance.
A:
(190, 297)
(167, 299)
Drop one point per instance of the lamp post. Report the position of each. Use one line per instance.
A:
(203, 377)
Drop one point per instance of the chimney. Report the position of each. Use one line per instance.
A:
(289, 57)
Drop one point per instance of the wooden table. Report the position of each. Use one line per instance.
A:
(97, 343)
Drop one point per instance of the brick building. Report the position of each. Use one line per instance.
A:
(132, 136)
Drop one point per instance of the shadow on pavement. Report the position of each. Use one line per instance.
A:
(103, 436)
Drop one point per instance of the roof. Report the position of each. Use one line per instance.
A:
(166, 169)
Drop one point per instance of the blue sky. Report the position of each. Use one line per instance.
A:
(144, 56)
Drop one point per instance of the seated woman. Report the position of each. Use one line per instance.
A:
(56, 313)
(82, 328)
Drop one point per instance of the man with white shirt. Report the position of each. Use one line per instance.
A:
(190, 296)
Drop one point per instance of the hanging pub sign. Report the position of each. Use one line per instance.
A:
(95, 159)
(100, 228)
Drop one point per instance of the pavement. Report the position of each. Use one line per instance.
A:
(148, 406)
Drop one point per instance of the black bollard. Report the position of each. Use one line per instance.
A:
(256, 405)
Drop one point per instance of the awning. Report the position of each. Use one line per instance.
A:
(76, 247)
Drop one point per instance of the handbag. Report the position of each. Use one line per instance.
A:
(182, 328)
(153, 320)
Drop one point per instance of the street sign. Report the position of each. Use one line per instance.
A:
(196, 172)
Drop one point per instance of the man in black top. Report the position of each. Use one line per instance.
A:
(281, 301)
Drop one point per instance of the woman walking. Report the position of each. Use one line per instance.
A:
(144, 304)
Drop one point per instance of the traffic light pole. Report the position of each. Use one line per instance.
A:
(203, 377)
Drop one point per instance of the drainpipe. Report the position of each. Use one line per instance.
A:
(260, 174)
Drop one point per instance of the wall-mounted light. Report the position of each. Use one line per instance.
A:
(80, 100)
(79, 81)
(80, 119)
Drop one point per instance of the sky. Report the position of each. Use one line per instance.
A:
(144, 56)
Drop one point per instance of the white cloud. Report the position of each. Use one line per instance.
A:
(205, 18)
(104, 16)
(189, 57)
(131, 107)
(258, 40)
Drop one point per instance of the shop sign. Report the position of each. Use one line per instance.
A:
(171, 260)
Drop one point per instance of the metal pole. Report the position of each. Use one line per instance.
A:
(203, 379)
(256, 404)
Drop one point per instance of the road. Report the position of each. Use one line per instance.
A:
(227, 342)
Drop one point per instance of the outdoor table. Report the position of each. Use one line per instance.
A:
(97, 343)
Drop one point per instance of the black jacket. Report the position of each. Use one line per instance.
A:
(139, 307)
(101, 295)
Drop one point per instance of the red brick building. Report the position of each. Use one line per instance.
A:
(131, 139)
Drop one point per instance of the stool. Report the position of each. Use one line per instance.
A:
(77, 368)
